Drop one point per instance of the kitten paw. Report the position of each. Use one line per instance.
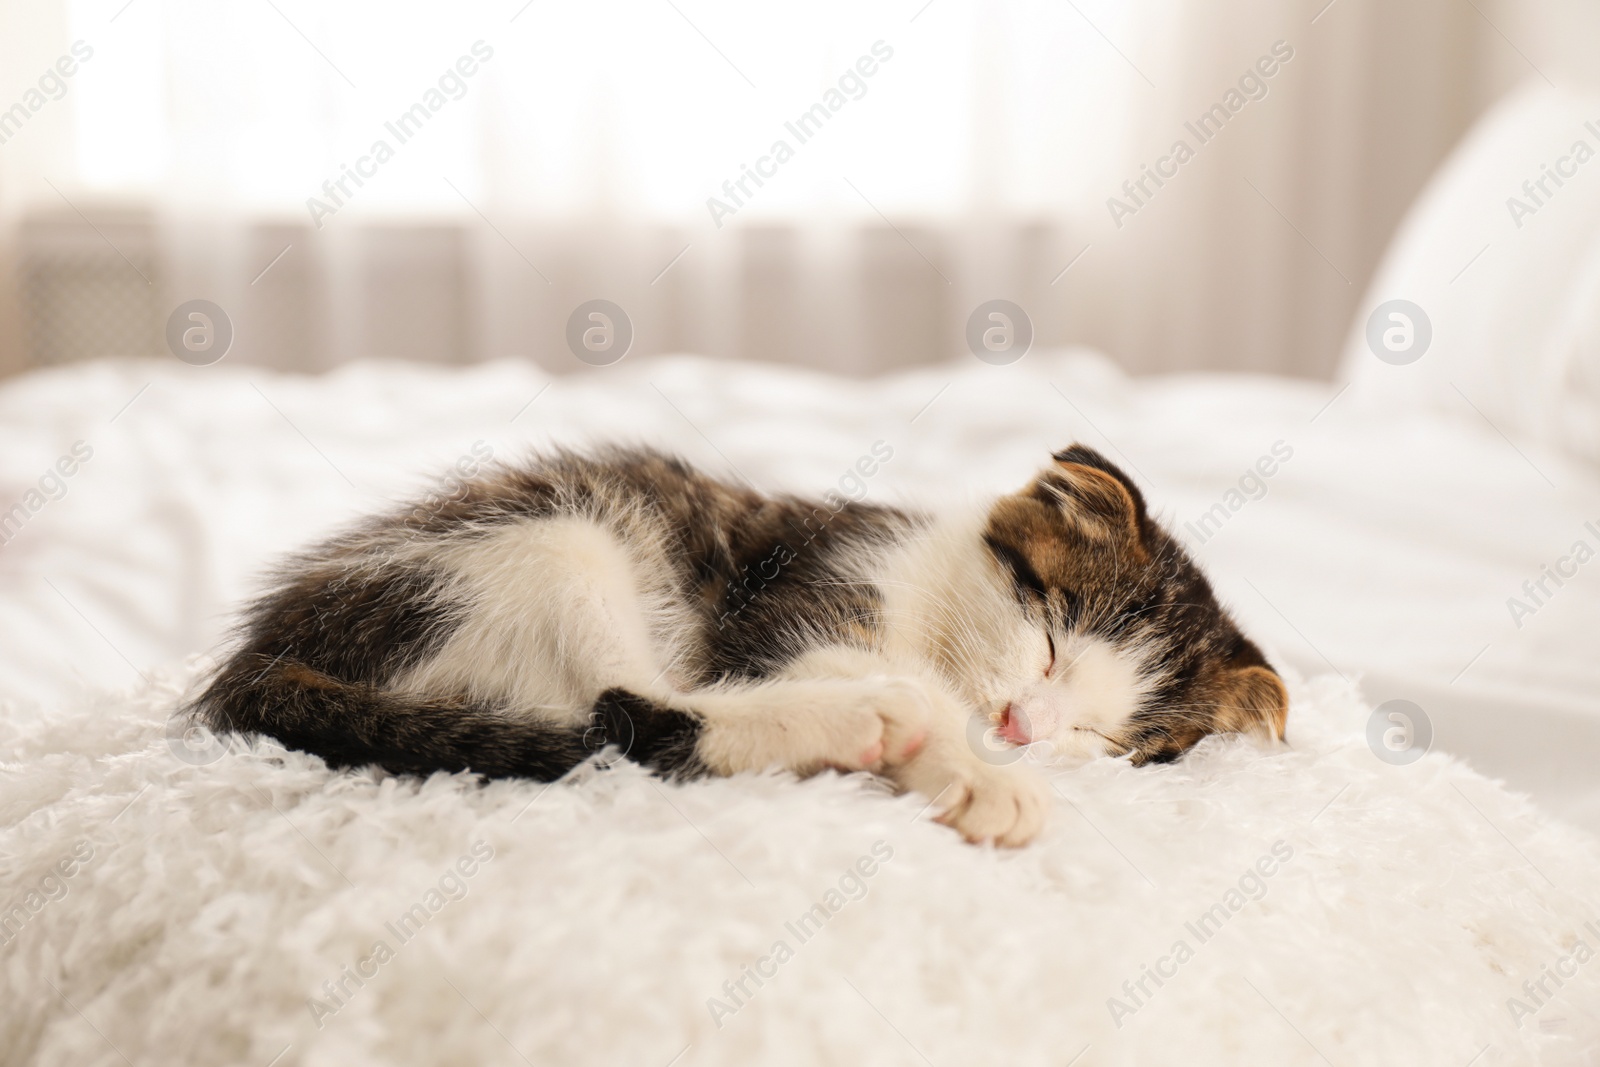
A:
(903, 708)
(1006, 805)
(894, 714)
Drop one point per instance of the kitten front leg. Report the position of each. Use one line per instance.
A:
(808, 724)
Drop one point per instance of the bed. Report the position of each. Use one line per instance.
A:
(225, 901)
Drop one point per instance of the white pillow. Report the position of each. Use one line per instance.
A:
(1506, 273)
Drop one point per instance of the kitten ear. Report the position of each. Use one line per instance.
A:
(1095, 491)
(1253, 700)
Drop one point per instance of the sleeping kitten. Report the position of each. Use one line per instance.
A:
(623, 598)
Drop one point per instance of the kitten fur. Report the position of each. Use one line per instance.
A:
(621, 598)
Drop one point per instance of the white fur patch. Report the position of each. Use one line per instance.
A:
(558, 610)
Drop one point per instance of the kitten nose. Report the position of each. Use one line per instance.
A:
(1014, 726)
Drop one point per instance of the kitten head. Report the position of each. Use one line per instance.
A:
(1112, 641)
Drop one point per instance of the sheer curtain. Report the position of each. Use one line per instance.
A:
(450, 184)
(834, 184)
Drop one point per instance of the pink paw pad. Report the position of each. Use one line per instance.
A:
(872, 755)
(914, 745)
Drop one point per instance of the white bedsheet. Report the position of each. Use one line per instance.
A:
(1385, 549)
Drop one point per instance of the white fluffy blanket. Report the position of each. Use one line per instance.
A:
(258, 909)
